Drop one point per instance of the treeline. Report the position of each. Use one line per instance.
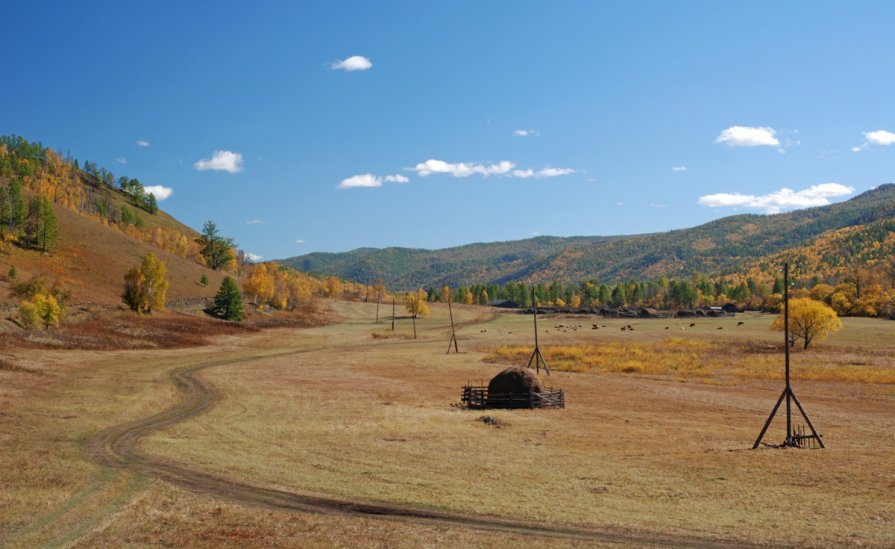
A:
(284, 288)
(865, 290)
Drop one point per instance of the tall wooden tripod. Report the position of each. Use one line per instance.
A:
(788, 393)
(453, 341)
(536, 356)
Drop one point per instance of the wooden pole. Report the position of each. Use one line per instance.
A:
(453, 332)
(788, 394)
(393, 313)
(378, 299)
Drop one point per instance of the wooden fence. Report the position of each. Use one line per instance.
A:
(477, 397)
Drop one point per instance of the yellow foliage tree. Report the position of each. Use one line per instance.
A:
(146, 286)
(259, 286)
(415, 303)
(809, 320)
(445, 293)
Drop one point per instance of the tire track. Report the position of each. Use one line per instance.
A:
(119, 447)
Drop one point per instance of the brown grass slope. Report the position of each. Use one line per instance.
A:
(91, 259)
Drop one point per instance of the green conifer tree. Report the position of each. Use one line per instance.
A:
(228, 301)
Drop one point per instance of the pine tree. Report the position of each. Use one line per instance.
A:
(228, 301)
(151, 203)
(16, 208)
(216, 249)
(41, 228)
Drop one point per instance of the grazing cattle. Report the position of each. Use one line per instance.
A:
(666, 327)
(740, 323)
(624, 328)
(595, 327)
(720, 327)
(692, 324)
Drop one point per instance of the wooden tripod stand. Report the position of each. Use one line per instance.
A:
(788, 394)
(536, 356)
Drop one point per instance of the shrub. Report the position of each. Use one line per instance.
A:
(228, 301)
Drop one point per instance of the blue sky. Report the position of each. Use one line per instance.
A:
(478, 121)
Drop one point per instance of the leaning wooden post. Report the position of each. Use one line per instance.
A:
(378, 299)
(393, 313)
(453, 333)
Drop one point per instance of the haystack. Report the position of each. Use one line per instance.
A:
(516, 380)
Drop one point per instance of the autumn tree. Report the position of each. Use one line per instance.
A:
(228, 301)
(146, 286)
(41, 228)
(216, 249)
(809, 320)
(332, 286)
(259, 286)
(415, 304)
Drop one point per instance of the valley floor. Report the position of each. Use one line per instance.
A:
(345, 435)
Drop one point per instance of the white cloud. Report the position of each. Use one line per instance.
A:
(462, 169)
(619, 203)
(254, 222)
(142, 143)
(253, 257)
(542, 174)
(746, 136)
(353, 63)
(526, 133)
(882, 138)
(655, 205)
(161, 192)
(816, 195)
(299, 241)
(225, 161)
(370, 180)
(121, 160)
(679, 168)
(502, 168)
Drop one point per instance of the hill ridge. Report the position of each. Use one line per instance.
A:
(714, 247)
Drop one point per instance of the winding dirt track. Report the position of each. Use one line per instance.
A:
(119, 447)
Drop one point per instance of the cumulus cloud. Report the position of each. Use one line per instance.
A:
(353, 63)
(503, 168)
(121, 160)
(253, 257)
(159, 191)
(254, 222)
(746, 136)
(370, 180)
(225, 161)
(142, 143)
(541, 174)
(462, 169)
(784, 199)
(299, 241)
(526, 133)
(881, 138)
(679, 168)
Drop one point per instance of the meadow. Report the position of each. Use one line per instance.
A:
(652, 449)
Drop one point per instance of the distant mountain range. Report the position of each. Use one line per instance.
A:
(718, 247)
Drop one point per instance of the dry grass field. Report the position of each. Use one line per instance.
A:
(652, 449)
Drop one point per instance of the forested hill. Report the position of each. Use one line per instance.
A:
(718, 247)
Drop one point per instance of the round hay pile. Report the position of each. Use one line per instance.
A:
(516, 380)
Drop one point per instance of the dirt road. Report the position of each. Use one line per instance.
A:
(119, 447)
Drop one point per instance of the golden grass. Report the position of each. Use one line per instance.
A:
(694, 359)
(372, 419)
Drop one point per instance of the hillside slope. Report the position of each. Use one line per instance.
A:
(91, 259)
(718, 247)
